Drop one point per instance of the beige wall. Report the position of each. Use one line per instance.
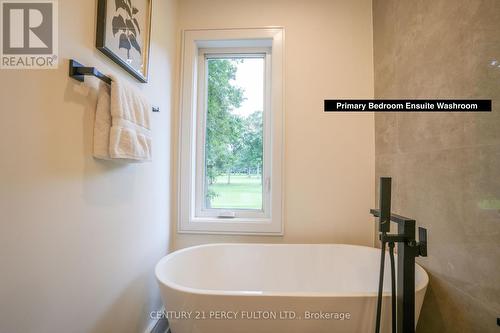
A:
(329, 158)
(445, 167)
(79, 238)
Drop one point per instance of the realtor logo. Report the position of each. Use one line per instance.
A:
(29, 34)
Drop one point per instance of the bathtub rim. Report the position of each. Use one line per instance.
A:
(175, 286)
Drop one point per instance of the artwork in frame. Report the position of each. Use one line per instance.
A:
(123, 34)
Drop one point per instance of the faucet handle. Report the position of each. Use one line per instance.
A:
(422, 242)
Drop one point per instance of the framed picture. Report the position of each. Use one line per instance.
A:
(123, 34)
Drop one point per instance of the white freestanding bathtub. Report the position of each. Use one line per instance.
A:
(267, 288)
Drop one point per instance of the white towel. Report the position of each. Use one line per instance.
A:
(122, 125)
(102, 122)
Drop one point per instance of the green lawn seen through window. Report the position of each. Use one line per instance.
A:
(242, 192)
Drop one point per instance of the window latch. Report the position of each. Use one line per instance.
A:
(226, 214)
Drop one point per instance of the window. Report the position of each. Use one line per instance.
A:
(231, 132)
(233, 110)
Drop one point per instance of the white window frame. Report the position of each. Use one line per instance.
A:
(200, 190)
(198, 45)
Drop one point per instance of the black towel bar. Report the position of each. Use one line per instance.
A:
(78, 72)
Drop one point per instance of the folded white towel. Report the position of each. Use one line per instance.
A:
(122, 125)
(102, 122)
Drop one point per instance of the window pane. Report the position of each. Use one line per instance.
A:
(234, 133)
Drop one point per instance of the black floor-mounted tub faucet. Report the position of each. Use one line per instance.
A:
(403, 307)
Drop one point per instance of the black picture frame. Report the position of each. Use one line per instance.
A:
(101, 42)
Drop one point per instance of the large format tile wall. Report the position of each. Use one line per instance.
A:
(445, 166)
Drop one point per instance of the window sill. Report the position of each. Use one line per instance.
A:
(231, 226)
